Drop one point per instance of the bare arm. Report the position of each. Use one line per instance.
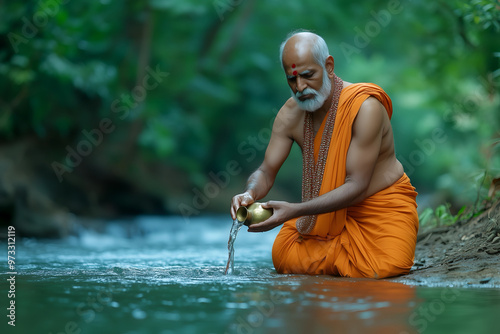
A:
(360, 163)
(260, 182)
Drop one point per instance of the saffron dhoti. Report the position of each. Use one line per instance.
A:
(375, 238)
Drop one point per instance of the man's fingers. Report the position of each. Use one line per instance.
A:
(247, 199)
(255, 228)
(246, 202)
(244, 199)
(267, 205)
(260, 227)
(235, 204)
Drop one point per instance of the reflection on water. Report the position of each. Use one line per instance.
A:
(168, 277)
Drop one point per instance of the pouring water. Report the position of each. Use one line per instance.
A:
(237, 225)
(252, 214)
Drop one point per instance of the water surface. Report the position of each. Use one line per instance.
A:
(163, 275)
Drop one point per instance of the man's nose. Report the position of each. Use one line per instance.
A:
(301, 84)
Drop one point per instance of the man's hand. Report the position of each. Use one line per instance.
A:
(244, 199)
(282, 211)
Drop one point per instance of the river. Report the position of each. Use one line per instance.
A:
(165, 275)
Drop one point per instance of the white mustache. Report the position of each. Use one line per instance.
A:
(306, 91)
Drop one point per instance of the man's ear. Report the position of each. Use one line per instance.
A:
(330, 66)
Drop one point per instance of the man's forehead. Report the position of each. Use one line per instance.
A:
(294, 61)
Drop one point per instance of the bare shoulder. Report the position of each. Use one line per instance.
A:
(289, 118)
(346, 84)
(372, 111)
(371, 118)
(290, 110)
(372, 104)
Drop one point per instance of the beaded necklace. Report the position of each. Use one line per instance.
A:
(312, 172)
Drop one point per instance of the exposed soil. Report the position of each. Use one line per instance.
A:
(464, 254)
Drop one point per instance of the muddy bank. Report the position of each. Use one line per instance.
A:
(465, 254)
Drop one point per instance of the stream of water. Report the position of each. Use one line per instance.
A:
(235, 228)
(166, 276)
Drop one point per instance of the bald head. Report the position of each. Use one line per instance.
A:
(309, 69)
(303, 45)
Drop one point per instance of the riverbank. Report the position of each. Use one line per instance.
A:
(464, 254)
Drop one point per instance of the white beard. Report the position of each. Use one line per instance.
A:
(319, 98)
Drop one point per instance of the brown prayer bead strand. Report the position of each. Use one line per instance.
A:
(313, 172)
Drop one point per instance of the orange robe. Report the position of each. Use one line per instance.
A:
(375, 238)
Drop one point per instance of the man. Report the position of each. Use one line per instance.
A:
(358, 213)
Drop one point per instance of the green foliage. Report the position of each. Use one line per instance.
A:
(484, 13)
(438, 60)
(441, 216)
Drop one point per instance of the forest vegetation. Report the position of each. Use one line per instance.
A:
(111, 108)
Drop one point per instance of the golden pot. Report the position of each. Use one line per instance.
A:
(253, 214)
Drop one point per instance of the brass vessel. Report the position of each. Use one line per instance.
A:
(253, 214)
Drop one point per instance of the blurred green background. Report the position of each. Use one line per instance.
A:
(113, 108)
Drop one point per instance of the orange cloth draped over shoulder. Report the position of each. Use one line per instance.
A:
(375, 238)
